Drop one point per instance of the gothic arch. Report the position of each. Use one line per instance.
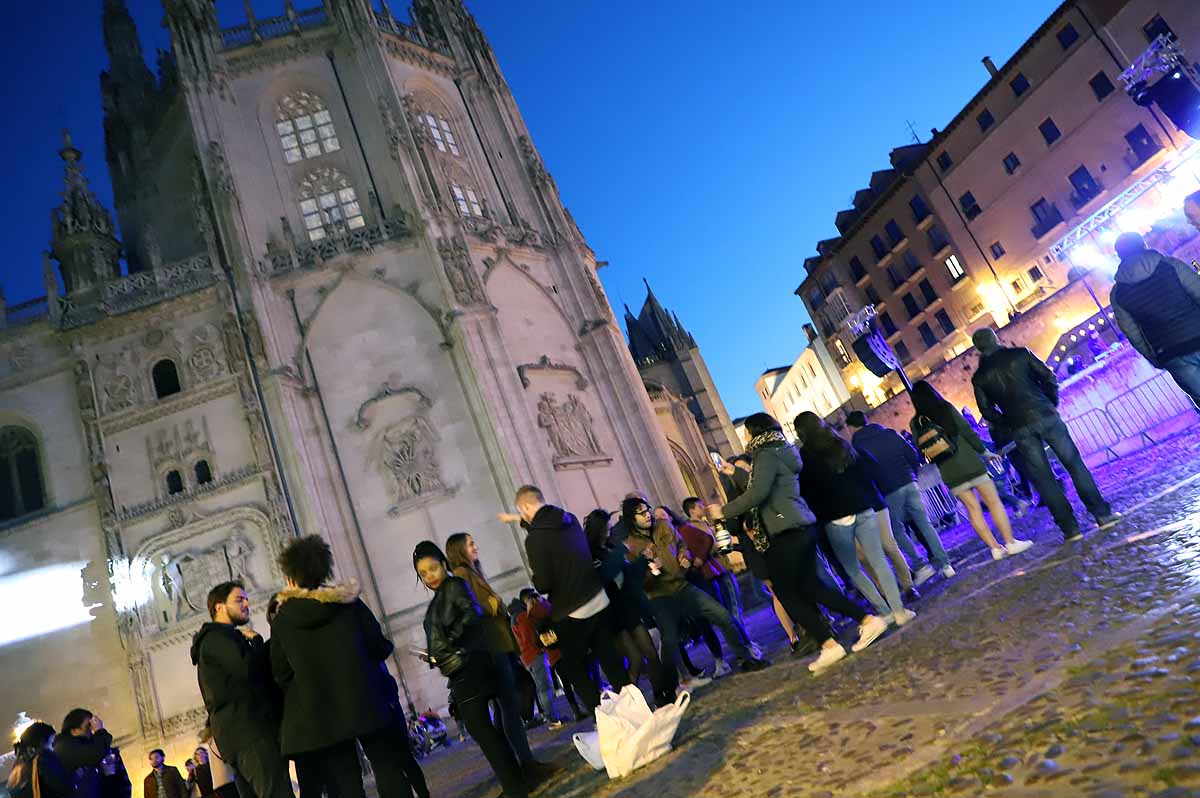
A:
(502, 258)
(687, 469)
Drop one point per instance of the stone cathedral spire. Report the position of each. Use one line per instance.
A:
(82, 235)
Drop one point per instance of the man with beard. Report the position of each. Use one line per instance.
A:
(234, 670)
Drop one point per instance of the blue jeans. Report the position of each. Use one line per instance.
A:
(865, 530)
(1051, 431)
(725, 590)
(540, 671)
(905, 505)
(1185, 370)
(692, 602)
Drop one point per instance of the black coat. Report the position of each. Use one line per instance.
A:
(455, 641)
(561, 561)
(235, 682)
(898, 460)
(81, 756)
(832, 494)
(327, 655)
(1014, 389)
(54, 780)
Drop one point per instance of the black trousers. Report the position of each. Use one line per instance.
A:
(337, 772)
(475, 717)
(579, 639)
(793, 564)
(262, 771)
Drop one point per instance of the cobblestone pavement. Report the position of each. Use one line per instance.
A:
(1065, 671)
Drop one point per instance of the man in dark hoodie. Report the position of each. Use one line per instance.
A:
(85, 748)
(1017, 391)
(563, 571)
(234, 671)
(1156, 300)
(327, 655)
(898, 464)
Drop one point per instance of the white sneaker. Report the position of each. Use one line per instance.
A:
(923, 575)
(1018, 546)
(870, 631)
(904, 616)
(999, 553)
(948, 571)
(695, 683)
(721, 669)
(828, 656)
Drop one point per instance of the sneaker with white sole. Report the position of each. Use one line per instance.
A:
(923, 575)
(948, 572)
(999, 553)
(1018, 546)
(904, 616)
(829, 655)
(871, 630)
(721, 669)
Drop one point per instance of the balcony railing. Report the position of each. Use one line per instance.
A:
(1044, 225)
(1136, 156)
(1084, 194)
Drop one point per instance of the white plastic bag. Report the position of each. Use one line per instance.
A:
(630, 734)
(588, 746)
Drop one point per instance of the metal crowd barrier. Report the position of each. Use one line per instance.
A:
(1131, 414)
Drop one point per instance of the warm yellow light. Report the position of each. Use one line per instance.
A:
(855, 381)
(23, 723)
(1061, 323)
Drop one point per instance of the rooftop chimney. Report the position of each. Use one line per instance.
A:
(990, 66)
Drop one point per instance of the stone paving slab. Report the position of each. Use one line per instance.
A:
(1068, 670)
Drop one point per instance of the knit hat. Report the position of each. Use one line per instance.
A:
(427, 548)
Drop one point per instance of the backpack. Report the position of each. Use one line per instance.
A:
(934, 441)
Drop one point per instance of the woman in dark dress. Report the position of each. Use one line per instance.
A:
(455, 645)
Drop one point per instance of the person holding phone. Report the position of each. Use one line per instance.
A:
(456, 645)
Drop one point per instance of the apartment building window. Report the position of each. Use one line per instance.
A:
(944, 161)
(872, 295)
(1101, 86)
(902, 353)
(886, 324)
(919, 208)
(1019, 286)
(910, 305)
(1067, 35)
(985, 120)
(878, 247)
(927, 335)
(912, 265)
(957, 272)
(1142, 143)
(843, 355)
(895, 278)
(894, 233)
(1049, 131)
(1046, 217)
(1019, 84)
(970, 207)
(1011, 162)
(937, 240)
(828, 282)
(1035, 274)
(857, 270)
(1086, 187)
(928, 292)
(1157, 27)
(997, 250)
(943, 320)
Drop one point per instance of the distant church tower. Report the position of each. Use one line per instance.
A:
(666, 353)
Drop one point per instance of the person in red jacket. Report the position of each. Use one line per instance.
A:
(716, 580)
(536, 656)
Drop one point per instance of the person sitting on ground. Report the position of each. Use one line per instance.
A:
(950, 443)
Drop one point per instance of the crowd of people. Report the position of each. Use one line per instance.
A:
(826, 525)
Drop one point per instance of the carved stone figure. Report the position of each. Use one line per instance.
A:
(408, 458)
(460, 272)
(182, 580)
(569, 427)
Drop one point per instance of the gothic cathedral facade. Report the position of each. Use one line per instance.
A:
(353, 304)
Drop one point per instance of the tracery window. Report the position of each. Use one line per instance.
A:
(21, 489)
(467, 200)
(439, 130)
(305, 127)
(329, 204)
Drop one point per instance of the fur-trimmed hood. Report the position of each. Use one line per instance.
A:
(316, 606)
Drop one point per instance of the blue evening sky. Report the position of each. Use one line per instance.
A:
(703, 145)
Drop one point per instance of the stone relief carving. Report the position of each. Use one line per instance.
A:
(392, 387)
(456, 259)
(533, 162)
(119, 388)
(178, 446)
(123, 376)
(544, 363)
(222, 176)
(570, 429)
(406, 453)
(181, 580)
(206, 359)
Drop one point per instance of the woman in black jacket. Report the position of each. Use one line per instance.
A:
(456, 646)
(840, 484)
(327, 655)
(36, 761)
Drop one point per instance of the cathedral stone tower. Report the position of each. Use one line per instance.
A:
(353, 305)
(667, 354)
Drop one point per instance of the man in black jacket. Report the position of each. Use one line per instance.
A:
(563, 571)
(327, 655)
(898, 464)
(234, 671)
(1018, 392)
(85, 748)
(1156, 300)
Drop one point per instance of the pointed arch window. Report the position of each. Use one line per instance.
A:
(467, 200)
(305, 127)
(203, 472)
(21, 488)
(174, 483)
(329, 204)
(165, 378)
(443, 136)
